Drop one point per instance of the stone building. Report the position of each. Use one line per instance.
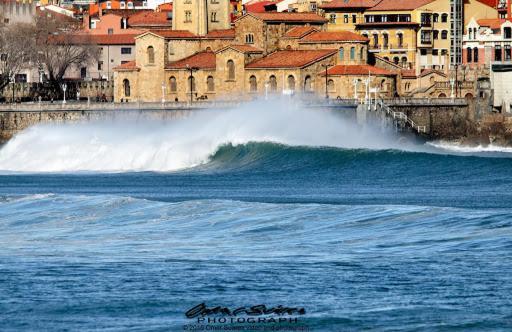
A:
(264, 54)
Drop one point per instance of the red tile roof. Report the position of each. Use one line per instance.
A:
(289, 17)
(299, 32)
(86, 39)
(399, 5)
(201, 60)
(216, 34)
(290, 59)
(150, 19)
(358, 70)
(242, 49)
(165, 7)
(173, 34)
(492, 23)
(128, 66)
(258, 7)
(408, 73)
(333, 36)
(490, 3)
(350, 4)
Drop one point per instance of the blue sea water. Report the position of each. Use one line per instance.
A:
(362, 239)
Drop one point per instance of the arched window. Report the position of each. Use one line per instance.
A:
(273, 83)
(404, 61)
(469, 54)
(151, 55)
(341, 53)
(386, 58)
(396, 60)
(444, 18)
(435, 34)
(330, 85)
(210, 84)
(385, 40)
(291, 83)
(400, 37)
(475, 54)
(361, 53)
(191, 84)
(435, 18)
(173, 87)
(307, 84)
(253, 84)
(382, 84)
(444, 34)
(126, 87)
(249, 38)
(352, 53)
(231, 69)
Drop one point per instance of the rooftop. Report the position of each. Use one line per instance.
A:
(128, 66)
(399, 5)
(492, 23)
(344, 4)
(289, 17)
(243, 48)
(152, 19)
(201, 60)
(290, 59)
(299, 32)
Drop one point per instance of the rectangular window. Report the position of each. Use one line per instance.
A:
(100, 65)
(345, 18)
(110, 31)
(188, 16)
(435, 52)
(354, 19)
(214, 17)
(332, 18)
(126, 50)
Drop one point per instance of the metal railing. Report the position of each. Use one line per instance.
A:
(402, 117)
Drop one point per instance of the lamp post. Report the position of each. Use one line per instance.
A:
(452, 83)
(13, 81)
(191, 78)
(64, 87)
(163, 92)
(326, 66)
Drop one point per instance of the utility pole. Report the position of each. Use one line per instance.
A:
(191, 78)
(326, 80)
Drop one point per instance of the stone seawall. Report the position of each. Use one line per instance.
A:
(12, 122)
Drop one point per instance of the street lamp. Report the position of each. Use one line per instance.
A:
(191, 78)
(64, 87)
(326, 80)
(163, 92)
(13, 81)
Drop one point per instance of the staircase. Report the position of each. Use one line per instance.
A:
(401, 120)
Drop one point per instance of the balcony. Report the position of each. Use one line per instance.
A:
(398, 46)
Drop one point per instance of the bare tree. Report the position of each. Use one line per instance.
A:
(61, 46)
(16, 47)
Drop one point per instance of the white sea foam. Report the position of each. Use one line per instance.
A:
(143, 145)
(460, 148)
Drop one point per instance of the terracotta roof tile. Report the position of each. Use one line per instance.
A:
(399, 5)
(128, 66)
(358, 70)
(330, 36)
(299, 32)
(201, 60)
(290, 59)
(150, 19)
(408, 73)
(226, 33)
(173, 34)
(492, 23)
(350, 4)
(242, 49)
(289, 17)
(258, 7)
(165, 7)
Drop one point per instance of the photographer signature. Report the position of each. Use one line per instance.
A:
(257, 310)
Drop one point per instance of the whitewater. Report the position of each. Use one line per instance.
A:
(125, 225)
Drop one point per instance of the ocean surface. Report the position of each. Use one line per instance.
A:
(126, 225)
